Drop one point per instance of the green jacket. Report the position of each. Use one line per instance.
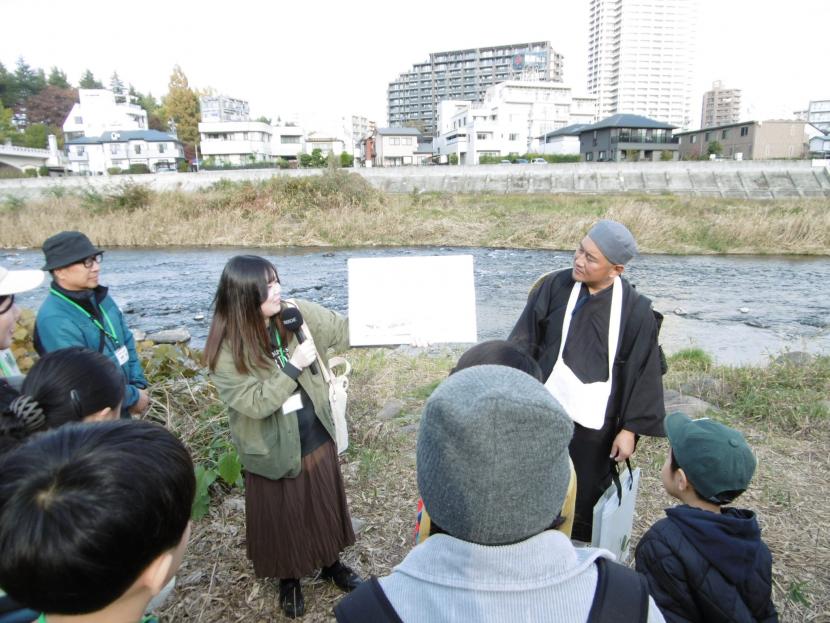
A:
(268, 441)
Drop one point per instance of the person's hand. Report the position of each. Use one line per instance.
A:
(304, 355)
(142, 404)
(623, 446)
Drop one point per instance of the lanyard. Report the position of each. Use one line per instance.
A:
(280, 349)
(6, 370)
(110, 334)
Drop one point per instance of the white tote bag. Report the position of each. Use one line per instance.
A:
(338, 384)
(614, 515)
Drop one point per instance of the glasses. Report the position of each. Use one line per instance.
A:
(6, 303)
(92, 259)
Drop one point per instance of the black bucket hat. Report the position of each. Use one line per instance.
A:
(67, 248)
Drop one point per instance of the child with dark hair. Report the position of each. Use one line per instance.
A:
(94, 519)
(67, 385)
(705, 562)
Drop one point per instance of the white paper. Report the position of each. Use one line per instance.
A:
(406, 300)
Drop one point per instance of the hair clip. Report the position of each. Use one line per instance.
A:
(27, 410)
(75, 399)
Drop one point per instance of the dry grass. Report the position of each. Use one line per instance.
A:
(341, 209)
(789, 491)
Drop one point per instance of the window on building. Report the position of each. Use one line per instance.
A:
(513, 137)
(724, 133)
(706, 136)
(601, 155)
(162, 147)
(113, 148)
(79, 150)
(692, 139)
(589, 155)
(79, 120)
(744, 130)
(137, 149)
(394, 141)
(290, 140)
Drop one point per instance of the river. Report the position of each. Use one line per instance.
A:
(740, 309)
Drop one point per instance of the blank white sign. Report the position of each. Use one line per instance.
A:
(404, 300)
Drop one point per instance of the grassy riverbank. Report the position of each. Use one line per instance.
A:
(342, 209)
(782, 409)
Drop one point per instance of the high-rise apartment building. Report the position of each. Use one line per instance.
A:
(465, 75)
(640, 58)
(721, 106)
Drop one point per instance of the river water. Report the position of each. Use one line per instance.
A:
(740, 309)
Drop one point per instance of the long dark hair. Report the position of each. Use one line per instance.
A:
(64, 386)
(237, 317)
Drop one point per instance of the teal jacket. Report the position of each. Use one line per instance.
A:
(267, 440)
(61, 324)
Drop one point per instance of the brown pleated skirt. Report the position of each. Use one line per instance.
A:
(297, 525)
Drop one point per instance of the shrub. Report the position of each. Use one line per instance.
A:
(138, 169)
(30, 172)
(666, 155)
(43, 171)
(182, 166)
(114, 170)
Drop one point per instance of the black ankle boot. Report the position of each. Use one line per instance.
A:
(291, 598)
(343, 577)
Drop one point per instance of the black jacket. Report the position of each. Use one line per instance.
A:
(637, 391)
(704, 567)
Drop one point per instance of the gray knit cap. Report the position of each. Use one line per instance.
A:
(614, 240)
(492, 455)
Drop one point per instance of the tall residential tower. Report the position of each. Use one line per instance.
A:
(465, 75)
(641, 58)
(721, 106)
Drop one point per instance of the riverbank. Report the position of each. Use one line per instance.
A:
(344, 210)
(778, 408)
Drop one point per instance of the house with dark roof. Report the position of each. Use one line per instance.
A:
(395, 147)
(625, 137)
(749, 140)
(120, 149)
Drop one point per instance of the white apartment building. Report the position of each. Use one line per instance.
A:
(237, 143)
(640, 57)
(721, 106)
(223, 108)
(96, 112)
(509, 120)
(94, 155)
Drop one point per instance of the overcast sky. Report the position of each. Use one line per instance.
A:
(319, 58)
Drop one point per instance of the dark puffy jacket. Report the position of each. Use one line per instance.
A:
(707, 567)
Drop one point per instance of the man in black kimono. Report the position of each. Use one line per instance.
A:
(626, 404)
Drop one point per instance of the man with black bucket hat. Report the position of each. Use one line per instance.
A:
(595, 338)
(79, 312)
(493, 472)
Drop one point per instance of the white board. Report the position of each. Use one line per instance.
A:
(403, 300)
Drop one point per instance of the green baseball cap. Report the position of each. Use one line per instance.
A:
(714, 457)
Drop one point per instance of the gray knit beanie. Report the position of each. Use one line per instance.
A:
(492, 456)
(614, 240)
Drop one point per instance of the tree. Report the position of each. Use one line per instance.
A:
(7, 129)
(33, 136)
(346, 160)
(155, 114)
(88, 81)
(51, 106)
(57, 78)
(117, 87)
(8, 88)
(181, 104)
(264, 119)
(317, 160)
(28, 82)
(714, 148)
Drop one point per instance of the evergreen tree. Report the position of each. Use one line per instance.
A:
(181, 104)
(28, 82)
(57, 78)
(117, 87)
(88, 81)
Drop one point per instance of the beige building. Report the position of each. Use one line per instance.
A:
(750, 140)
(395, 147)
(721, 106)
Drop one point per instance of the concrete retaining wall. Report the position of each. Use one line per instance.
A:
(748, 179)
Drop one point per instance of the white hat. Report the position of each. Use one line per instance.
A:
(14, 281)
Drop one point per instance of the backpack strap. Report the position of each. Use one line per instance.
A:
(366, 604)
(621, 595)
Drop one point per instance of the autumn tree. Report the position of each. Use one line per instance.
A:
(51, 106)
(181, 104)
(88, 81)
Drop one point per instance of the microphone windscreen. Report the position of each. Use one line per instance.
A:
(292, 319)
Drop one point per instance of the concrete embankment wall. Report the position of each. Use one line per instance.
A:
(748, 179)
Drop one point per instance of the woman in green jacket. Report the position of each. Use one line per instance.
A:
(297, 519)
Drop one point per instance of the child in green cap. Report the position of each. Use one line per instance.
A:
(706, 562)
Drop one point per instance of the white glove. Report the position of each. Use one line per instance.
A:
(304, 355)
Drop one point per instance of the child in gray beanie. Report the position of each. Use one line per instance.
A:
(493, 472)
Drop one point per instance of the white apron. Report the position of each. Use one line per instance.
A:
(586, 403)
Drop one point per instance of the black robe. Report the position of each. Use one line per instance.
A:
(636, 401)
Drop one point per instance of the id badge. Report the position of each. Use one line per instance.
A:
(122, 355)
(294, 403)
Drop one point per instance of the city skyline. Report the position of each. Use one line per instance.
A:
(285, 63)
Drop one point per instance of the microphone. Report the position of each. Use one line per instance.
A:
(292, 320)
